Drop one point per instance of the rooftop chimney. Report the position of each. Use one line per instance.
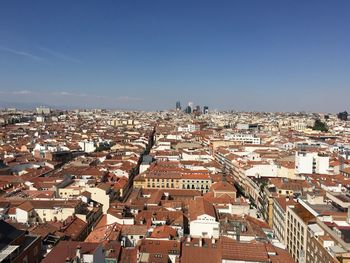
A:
(78, 251)
(200, 242)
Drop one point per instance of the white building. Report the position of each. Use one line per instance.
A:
(188, 128)
(311, 162)
(203, 219)
(43, 110)
(45, 210)
(262, 170)
(243, 138)
(87, 146)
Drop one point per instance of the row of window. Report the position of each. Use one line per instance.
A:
(150, 180)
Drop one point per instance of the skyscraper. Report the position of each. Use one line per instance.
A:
(188, 110)
(343, 116)
(205, 110)
(178, 105)
(191, 105)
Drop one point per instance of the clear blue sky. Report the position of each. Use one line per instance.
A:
(244, 55)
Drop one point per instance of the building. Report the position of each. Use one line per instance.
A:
(243, 138)
(343, 116)
(43, 110)
(178, 106)
(74, 252)
(191, 105)
(203, 219)
(298, 219)
(205, 110)
(159, 251)
(199, 181)
(102, 194)
(197, 110)
(87, 146)
(311, 162)
(188, 110)
(279, 217)
(319, 246)
(223, 189)
(17, 247)
(33, 211)
(227, 250)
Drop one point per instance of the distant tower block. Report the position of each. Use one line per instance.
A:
(178, 105)
(205, 110)
(190, 104)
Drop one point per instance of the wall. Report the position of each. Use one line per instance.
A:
(204, 223)
(21, 216)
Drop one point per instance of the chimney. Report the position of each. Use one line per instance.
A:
(238, 232)
(142, 221)
(78, 251)
(200, 242)
(213, 241)
(188, 238)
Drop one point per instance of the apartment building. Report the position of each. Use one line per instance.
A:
(201, 182)
(16, 246)
(279, 217)
(311, 162)
(243, 138)
(33, 211)
(170, 175)
(298, 218)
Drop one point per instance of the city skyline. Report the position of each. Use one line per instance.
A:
(256, 56)
(175, 131)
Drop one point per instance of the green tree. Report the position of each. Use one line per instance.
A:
(320, 126)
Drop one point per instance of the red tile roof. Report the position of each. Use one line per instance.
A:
(163, 232)
(67, 249)
(199, 207)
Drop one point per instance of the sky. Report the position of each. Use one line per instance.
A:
(263, 55)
